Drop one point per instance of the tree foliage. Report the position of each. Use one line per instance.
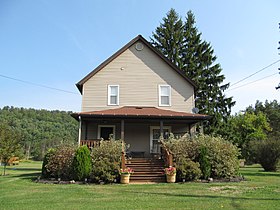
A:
(9, 144)
(272, 112)
(40, 129)
(244, 128)
(181, 42)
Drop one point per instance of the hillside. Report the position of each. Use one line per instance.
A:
(40, 129)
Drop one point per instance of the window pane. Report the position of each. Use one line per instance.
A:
(113, 99)
(114, 90)
(165, 100)
(165, 90)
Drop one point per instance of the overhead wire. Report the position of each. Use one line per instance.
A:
(36, 84)
(251, 82)
(255, 73)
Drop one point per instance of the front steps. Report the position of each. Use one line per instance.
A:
(146, 170)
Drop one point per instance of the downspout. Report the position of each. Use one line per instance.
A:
(80, 130)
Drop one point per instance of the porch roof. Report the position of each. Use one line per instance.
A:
(141, 112)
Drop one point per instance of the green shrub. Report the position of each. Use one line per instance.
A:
(82, 165)
(188, 170)
(183, 147)
(46, 173)
(268, 153)
(106, 161)
(60, 163)
(104, 170)
(204, 162)
(221, 154)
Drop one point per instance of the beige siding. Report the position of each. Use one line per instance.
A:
(138, 74)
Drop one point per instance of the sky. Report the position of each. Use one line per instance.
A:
(55, 43)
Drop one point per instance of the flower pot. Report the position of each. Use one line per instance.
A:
(170, 178)
(125, 178)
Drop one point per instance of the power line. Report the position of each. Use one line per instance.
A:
(252, 82)
(255, 73)
(35, 84)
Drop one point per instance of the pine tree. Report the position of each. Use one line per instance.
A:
(196, 58)
(168, 37)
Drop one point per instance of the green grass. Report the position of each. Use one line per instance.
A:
(17, 191)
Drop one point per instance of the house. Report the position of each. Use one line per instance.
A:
(136, 95)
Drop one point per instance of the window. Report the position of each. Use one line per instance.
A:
(106, 131)
(164, 95)
(113, 94)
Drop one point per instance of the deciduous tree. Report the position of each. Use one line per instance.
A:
(9, 144)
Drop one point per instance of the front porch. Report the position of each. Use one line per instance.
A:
(141, 136)
(139, 127)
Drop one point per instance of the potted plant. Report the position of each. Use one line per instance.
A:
(125, 175)
(170, 174)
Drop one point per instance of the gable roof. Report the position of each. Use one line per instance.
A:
(120, 51)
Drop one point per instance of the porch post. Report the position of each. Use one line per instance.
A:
(80, 130)
(122, 129)
(161, 128)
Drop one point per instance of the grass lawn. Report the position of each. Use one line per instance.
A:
(17, 191)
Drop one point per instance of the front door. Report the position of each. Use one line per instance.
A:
(155, 136)
(105, 131)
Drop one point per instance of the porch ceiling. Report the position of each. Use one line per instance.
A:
(129, 112)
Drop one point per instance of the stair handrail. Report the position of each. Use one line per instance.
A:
(167, 154)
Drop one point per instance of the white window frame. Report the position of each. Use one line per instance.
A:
(109, 95)
(159, 95)
(106, 126)
(151, 134)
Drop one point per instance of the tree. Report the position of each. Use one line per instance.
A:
(40, 129)
(245, 128)
(182, 43)
(9, 144)
(278, 68)
(168, 37)
(272, 112)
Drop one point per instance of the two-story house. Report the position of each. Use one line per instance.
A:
(136, 95)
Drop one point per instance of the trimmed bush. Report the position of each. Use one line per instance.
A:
(106, 161)
(82, 165)
(204, 162)
(46, 173)
(105, 171)
(268, 153)
(188, 170)
(222, 155)
(60, 163)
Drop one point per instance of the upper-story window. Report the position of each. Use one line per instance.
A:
(113, 94)
(164, 95)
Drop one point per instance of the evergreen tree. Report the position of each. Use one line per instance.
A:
(184, 46)
(168, 37)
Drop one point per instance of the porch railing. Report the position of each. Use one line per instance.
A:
(90, 143)
(167, 155)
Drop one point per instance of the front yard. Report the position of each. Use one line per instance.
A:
(260, 191)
